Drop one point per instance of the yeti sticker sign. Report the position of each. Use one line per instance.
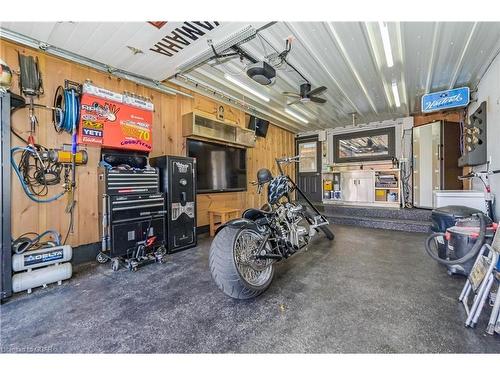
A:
(438, 101)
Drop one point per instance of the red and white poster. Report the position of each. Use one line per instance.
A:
(113, 120)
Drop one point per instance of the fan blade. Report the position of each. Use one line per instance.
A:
(292, 94)
(317, 90)
(315, 99)
(294, 102)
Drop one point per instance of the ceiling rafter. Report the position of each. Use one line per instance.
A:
(482, 71)
(339, 112)
(220, 81)
(315, 112)
(336, 39)
(194, 85)
(460, 61)
(376, 60)
(350, 54)
(323, 66)
(401, 49)
(432, 59)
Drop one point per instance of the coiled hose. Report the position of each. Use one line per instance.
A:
(471, 254)
(31, 195)
(69, 103)
(24, 243)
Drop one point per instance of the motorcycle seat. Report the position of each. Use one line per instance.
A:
(255, 213)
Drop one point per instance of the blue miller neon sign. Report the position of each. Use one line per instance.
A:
(447, 99)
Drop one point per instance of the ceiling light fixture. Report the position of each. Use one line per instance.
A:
(384, 32)
(297, 116)
(245, 87)
(395, 91)
(239, 37)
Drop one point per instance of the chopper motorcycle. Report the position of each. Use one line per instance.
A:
(244, 250)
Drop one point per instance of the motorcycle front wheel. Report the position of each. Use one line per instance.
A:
(324, 228)
(233, 266)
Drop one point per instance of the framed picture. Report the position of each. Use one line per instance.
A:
(369, 145)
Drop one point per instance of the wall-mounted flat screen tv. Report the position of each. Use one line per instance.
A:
(219, 167)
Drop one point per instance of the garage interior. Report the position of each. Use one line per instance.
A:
(132, 152)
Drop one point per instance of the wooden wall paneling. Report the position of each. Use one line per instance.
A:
(167, 139)
(26, 216)
(159, 126)
(209, 107)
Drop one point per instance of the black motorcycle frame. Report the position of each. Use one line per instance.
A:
(262, 221)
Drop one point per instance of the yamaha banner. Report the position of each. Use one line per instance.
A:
(438, 101)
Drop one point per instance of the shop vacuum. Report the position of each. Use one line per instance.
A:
(460, 243)
(459, 232)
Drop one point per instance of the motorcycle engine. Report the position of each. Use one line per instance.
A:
(290, 217)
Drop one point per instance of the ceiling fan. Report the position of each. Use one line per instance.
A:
(306, 95)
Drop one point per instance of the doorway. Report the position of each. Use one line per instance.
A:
(309, 168)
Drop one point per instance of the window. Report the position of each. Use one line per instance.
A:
(308, 157)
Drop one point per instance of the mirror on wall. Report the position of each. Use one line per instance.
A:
(378, 144)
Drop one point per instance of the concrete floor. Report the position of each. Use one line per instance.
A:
(369, 291)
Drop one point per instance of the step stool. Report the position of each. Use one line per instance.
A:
(219, 216)
(484, 274)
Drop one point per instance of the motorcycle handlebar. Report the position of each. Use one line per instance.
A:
(467, 176)
(291, 159)
(478, 174)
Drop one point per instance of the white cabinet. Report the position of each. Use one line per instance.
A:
(358, 186)
(375, 185)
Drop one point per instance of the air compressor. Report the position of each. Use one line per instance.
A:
(38, 264)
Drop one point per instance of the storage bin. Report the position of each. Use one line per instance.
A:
(380, 195)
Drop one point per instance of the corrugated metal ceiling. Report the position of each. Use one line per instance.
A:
(349, 59)
(346, 57)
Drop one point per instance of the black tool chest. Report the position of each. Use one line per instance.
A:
(132, 209)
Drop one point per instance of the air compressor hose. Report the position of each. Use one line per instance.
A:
(31, 195)
(69, 106)
(470, 255)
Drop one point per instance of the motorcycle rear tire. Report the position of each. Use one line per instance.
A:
(223, 267)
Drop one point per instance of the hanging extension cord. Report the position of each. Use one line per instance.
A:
(41, 170)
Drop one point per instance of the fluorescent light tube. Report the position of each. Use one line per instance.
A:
(297, 116)
(245, 87)
(384, 32)
(395, 91)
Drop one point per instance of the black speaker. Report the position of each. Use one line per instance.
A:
(178, 182)
(258, 125)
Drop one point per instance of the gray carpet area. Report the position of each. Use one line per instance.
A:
(370, 290)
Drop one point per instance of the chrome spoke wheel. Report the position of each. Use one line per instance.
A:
(254, 271)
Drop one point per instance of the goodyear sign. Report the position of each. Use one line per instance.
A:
(438, 101)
